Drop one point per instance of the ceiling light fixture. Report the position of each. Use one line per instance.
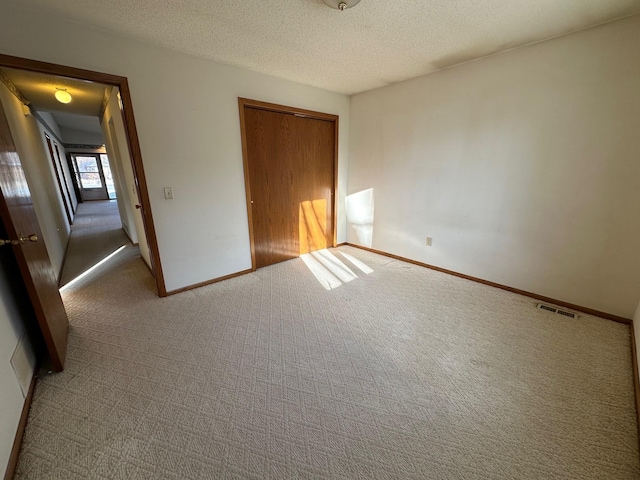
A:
(62, 95)
(341, 4)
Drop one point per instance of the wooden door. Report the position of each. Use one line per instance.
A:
(57, 172)
(315, 183)
(290, 166)
(64, 178)
(20, 222)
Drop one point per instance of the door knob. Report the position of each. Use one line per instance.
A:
(138, 207)
(21, 239)
(29, 238)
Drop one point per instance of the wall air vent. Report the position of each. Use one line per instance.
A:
(556, 310)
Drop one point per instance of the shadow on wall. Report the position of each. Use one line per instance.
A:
(360, 213)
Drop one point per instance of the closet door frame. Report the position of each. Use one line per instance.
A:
(244, 103)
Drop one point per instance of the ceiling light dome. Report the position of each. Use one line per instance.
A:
(62, 95)
(341, 4)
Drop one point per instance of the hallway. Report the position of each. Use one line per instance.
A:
(96, 233)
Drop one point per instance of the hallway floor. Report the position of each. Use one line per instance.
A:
(96, 233)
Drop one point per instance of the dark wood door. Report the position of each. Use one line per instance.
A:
(20, 222)
(67, 209)
(290, 163)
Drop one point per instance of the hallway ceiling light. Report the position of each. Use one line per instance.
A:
(62, 95)
(341, 4)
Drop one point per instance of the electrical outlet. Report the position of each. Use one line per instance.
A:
(168, 193)
(428, 242)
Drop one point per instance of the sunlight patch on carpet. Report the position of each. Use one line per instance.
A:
(328, 269)
(92, 269)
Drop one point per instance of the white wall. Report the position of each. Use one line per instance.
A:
(523, 167)
(123, 193)
(28, 137)
(187, 117)
(72, 135)
(116, 143)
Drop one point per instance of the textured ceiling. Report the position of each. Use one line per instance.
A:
(39, 89)
(376, 43)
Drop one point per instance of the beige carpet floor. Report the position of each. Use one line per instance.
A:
(401, 373)
(96, 232)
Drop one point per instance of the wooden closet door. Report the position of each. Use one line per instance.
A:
(290, 167)
(314, 183)
(271, 151)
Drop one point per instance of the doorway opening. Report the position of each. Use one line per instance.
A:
(92, 172)
(93, 175)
